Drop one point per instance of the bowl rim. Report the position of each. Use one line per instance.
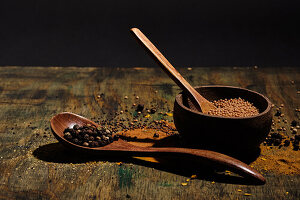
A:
(221, 117)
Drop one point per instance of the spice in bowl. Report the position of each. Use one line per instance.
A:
(89, 135)
(236, 107)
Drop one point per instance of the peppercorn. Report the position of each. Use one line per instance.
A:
(153, 110)
(155, 135)
(286, 143)
(68, 130)
(91, 138)
(68, 135)
(98, 138)
(76, 127)
(86, 137)
(85, 144)
(116, 137)
(75, 140)
(278, 113)
(294, 123)
(294, 131)
(91, 135)
(277, 142)
(101, 143)
(95, 144)
(140, 107)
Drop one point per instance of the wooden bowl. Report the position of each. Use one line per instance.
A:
(224, 134)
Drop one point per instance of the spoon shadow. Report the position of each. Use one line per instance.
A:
(57, 153)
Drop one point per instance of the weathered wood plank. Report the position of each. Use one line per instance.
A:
(34, 166)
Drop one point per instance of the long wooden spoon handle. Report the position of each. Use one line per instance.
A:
(196, 98)
(212, 157)
(230, 163)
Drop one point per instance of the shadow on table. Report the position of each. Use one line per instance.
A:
(57, 153)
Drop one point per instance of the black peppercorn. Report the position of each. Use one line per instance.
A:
(91, 138)
(86, 137)
(153, 110)
(101, 143)
(68, 135)
(75, 140)
(278, 113)
(76, 127)
(294, 123)
(67, 130)
(286, 143)
(156, 135)
(140, 108)
(95, 144)
(277, 142)
(116, 137)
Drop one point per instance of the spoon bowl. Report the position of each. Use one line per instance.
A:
(224, 134)
(122, 148)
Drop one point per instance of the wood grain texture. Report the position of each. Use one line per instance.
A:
(33, 165)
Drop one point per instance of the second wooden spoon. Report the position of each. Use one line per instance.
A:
(199, 102)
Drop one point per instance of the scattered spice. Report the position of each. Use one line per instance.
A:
(193, 176)
(294, 131)
(153, 110)
(227, 172)
(279, 152)
(236, 107)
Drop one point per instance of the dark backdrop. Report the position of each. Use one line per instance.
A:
(189, 33)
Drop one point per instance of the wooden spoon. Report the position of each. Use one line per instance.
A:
(122, 148)
(199, 102)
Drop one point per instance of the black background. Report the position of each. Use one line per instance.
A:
(189, 33)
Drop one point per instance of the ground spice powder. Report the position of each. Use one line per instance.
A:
(278, 161)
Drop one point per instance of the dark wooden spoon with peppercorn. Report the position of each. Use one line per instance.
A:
(63, 121)
(197, 100)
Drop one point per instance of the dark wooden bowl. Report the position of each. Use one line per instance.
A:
(224, 134)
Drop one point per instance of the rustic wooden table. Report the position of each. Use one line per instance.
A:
(33, 165)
